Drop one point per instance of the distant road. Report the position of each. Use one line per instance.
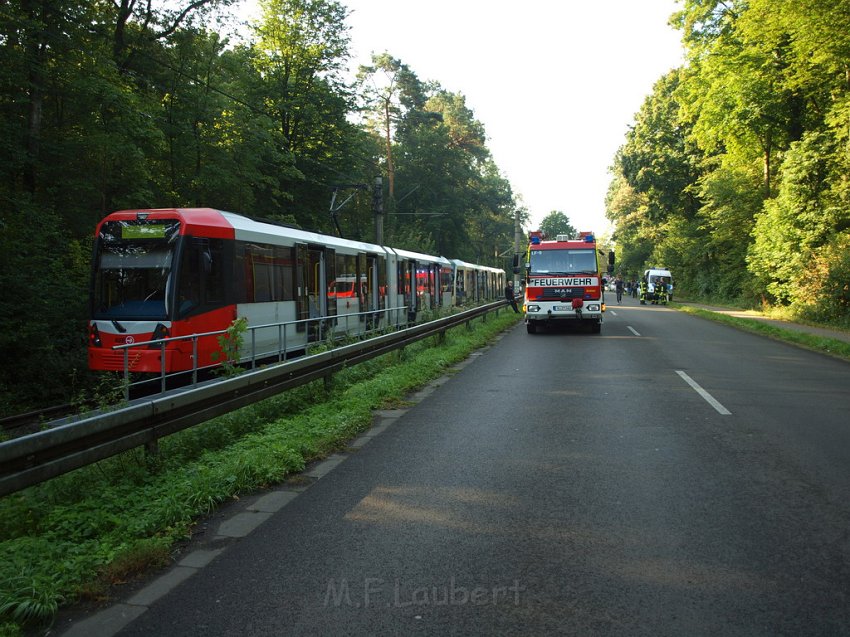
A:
(671, 476)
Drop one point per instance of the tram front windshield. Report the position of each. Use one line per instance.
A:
(132, 270)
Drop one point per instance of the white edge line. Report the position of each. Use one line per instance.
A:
(633, 330)
(708, 397)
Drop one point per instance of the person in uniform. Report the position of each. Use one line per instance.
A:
(510, 296)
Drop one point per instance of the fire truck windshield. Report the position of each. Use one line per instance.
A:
(563, 261)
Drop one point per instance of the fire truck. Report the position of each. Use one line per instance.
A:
(563, 282)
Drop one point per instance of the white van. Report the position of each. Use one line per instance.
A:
(652, 275)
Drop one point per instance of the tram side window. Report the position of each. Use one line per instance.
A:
(382, 282)
(202, 280)
(343, 284)
(445, 280)
(284, 274)
(362, 287)
(214, 267)
(269, 272)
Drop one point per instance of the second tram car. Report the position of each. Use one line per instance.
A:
(160, 273)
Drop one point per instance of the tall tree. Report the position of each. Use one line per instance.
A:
(555, 223)
(389, 88)
(450, 188)
(137, 23)
(300, 54)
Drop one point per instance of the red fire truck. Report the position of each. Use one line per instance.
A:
(564, 282)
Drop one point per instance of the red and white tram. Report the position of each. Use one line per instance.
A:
(177, 272)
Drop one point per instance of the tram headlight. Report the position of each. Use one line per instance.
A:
(159, 333)
(94, 336)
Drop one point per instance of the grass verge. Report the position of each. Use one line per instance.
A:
(72, 538)
(826, 345)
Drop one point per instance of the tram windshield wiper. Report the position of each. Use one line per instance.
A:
(118, 326)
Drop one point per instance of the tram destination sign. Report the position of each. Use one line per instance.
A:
(147, 231)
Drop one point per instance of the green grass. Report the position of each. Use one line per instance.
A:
(74, 537)
(834, 347)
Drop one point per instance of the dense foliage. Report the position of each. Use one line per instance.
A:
(736, 172)
(121, 104)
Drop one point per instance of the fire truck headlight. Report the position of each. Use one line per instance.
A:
(533, 308)
(593, 307)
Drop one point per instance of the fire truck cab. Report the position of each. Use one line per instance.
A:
(563, 282)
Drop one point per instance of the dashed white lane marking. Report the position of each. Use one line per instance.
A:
(633, 330)
(613, 313)
(708, 397)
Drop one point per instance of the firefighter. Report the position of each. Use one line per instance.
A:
(660, 291)
(643, 291)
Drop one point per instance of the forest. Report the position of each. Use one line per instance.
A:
(736, 171)
(110, 105)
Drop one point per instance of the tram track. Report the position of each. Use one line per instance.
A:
(31, 421)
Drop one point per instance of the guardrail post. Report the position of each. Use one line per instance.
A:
(151, 449)
(253, 348)
(194, 360)
(162, 367)
(127, 374)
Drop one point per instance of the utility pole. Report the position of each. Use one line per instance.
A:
(517, 237)
(378, 207)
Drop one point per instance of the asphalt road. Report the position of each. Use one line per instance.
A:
(568, 483)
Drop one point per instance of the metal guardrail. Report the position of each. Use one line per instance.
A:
(38, 457)
(283, 344)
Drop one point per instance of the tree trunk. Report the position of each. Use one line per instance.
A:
(767, 149)
(390, 168)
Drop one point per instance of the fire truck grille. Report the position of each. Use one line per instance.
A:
(559, 294)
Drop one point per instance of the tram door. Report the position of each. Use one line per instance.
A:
(373, 294)
(312, 290)
(411, 298)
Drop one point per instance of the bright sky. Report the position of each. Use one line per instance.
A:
(556, 83)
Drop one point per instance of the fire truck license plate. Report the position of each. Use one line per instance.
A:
(562, 308)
